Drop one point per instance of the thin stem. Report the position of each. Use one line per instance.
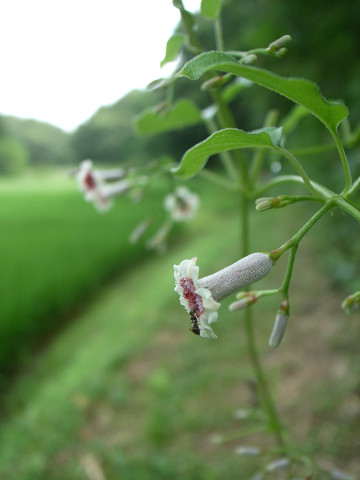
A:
(266, 397)
(260, 153)
(225, 157)
(227, 121)
(345, 164)
(354, 187)
(281, 179)
(300, 169)
(295, 240)
(289, 270)
(219, 35)
(218, 179)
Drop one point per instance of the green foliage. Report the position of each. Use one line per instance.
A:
(228, 139)
(183, 113)
(45, 144)
(211, 8)
(298, 90)
(59, 250)
(173, 48)
(13, 157)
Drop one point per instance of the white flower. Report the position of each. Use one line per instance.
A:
(91, 183)
(200, 297)
(182, 204)
(197, 300)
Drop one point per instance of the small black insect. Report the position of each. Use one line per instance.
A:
(195, 326)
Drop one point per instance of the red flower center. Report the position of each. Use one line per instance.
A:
(194, 300)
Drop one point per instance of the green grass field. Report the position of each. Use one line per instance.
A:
(125, 391)
(56, 250)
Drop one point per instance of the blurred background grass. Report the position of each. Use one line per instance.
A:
(108, 378)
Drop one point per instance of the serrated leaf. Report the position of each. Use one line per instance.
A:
(196, 157)
(299, 90)
(210, 8)
(182, 114)
(173, 48)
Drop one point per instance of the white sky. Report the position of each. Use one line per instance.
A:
(60, 60)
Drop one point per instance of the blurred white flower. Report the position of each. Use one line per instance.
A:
(182, 204)
(197, 300)
(91, 183)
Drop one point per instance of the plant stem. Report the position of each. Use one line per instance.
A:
(295, 240)
(344, 162)
(265, 394)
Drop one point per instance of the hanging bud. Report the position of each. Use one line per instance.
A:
(351, 303)
(280, 324)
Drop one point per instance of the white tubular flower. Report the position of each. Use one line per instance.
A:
(197, 300)
(182, 204)
(245, 271)
(200, 297)
(91, 183)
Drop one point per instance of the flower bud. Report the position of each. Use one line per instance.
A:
(249, 58)
(338, 475)
(278, 465)
(280, 324)
(245, 271)
(351, 303)
(278, 44)
(248, 451)
(264, 203)
(245, 300)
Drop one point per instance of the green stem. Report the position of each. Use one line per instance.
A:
(227, 121)
(218, 179)
(219, 35)
(260, 153)
(264, 390)
(345, 164)
(225, 157)
(354, 187)
(300, 169)
(288, 274)
(282, 179)
(295, 240)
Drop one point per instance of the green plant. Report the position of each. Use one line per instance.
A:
(243, 156)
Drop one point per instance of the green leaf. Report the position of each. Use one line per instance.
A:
(299, 90)
(183, 114)
(173, 48)
(189, 23)
(211, 8)
(228, 139)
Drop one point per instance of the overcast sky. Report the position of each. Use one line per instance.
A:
(61, 60)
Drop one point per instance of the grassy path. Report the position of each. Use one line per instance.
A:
(126, 392)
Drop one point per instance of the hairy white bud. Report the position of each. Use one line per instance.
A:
(278, 330)
(245, 271)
